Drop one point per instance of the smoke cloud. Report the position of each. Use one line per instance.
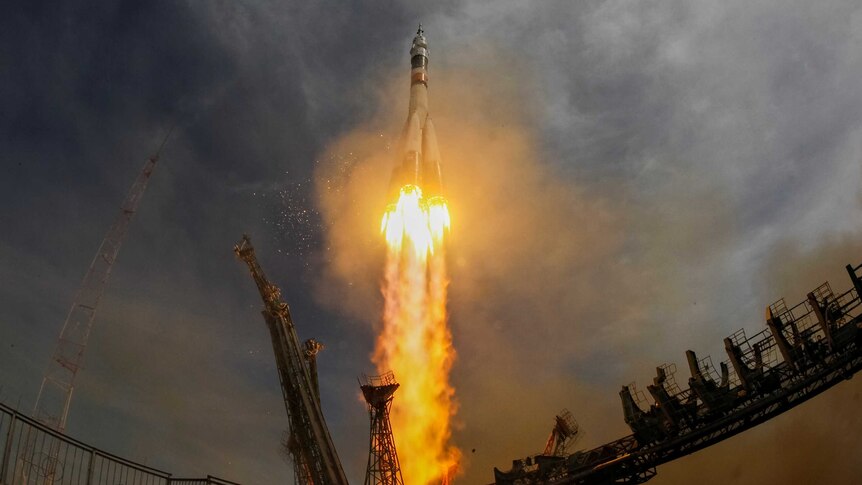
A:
(534, 258)
(628, 179)
(582, 260)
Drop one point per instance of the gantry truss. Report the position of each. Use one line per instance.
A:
(383, 465)
(804, 351)
(316, 461)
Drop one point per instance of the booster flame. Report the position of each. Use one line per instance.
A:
(416, 343)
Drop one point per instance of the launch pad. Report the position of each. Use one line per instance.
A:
(803, 351)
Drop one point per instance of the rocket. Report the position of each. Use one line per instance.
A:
(419, 160)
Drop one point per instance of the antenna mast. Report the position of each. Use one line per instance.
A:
(58, 383)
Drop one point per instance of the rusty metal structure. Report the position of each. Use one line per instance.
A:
(315, 458)
(383, 466)
(803, 351)
(565, 433)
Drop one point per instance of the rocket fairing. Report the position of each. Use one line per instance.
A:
(419, 162)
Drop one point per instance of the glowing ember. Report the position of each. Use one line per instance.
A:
(415, 342)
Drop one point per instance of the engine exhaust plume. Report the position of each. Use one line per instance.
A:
(415, 342)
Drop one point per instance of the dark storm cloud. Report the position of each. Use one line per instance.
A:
(179, 353)
(696, 147)
(650, 158)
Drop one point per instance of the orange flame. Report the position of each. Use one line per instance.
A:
(416, 343)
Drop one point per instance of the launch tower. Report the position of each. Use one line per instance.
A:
(315, 458)
(383, 466)
(803, 351)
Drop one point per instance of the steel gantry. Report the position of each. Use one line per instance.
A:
(315, 458)
(803, 351)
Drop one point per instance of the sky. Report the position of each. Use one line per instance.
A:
(628, 180)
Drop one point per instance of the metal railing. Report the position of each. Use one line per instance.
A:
(34, 454)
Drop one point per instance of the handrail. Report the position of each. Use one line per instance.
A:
(7, 452)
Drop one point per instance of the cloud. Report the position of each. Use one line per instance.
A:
(628, 180)
(611, 211)
(535, 259)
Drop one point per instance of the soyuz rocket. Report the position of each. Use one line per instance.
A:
(419, 162)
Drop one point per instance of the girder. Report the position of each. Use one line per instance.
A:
(804, 351)
(314, 451)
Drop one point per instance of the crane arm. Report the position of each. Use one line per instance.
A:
(308, 426)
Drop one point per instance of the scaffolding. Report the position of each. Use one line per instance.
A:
(383, 466)
(805, 350)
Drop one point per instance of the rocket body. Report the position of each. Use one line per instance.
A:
(419, 159)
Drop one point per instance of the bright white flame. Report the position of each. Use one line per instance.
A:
(416, 343)
(413, 220)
